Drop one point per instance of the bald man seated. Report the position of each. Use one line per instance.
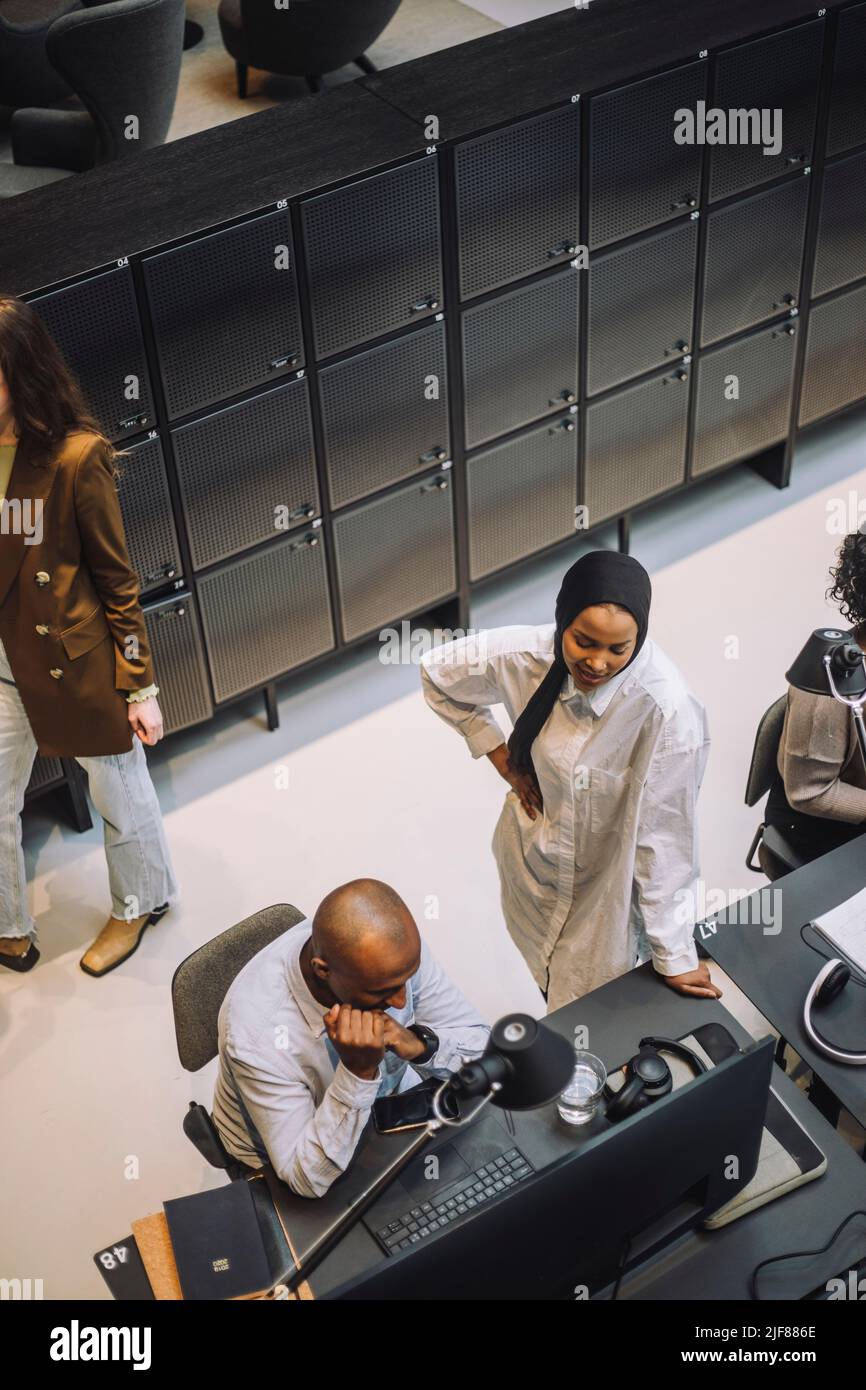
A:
(332, 1014)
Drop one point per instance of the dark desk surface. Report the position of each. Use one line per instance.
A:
(775, 968)
(615, 1018)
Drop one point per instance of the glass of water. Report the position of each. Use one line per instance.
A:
(579, 1101)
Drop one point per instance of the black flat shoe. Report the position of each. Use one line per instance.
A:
(20, 963)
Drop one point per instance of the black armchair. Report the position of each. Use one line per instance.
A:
(308, 39)
(27, 77)
(122, 59)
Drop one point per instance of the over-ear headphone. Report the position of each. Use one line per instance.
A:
(828, 983)
(648, 1077)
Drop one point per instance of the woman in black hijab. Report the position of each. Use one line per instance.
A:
(597, 843)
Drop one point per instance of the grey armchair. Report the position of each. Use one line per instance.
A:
(122, 59)
(27, 77)
(308, 39)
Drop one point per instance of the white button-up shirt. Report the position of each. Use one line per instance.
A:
(606, 876)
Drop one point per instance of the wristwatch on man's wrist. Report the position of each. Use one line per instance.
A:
(428, 1038)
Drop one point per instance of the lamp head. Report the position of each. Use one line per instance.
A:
(827, 644)
(530, 1063)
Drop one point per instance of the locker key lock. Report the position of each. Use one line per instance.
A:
(681, 376)
(422, 304)
(312, 540)
(687, 201)
(173, 613)
(795, 158)
(437, 455)
(567, 396)
(565, 248)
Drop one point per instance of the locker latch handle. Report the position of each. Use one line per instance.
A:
(306, 509)
(288, 360)
(307, 541)
(439, 484)
(431, 303)
(167, 571)
(567, 396)
(565, 248)
(437, 455)
(786, 302)
(172, 612)
(567, 425)
(795, 158)
(688, 200)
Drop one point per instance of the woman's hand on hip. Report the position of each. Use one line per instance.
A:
(696, 982)
(145, 717)
(523, 783)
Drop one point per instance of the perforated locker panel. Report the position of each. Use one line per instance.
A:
(518, 197)
(835, 371)
(247, 472)
(639, 176)
(373, 256)
(395, 555)
(847, 126)
(266, 613)
(744, 397)
(96, 326)
(777, 73)
(45, 771)
(148, 518)
(225, 312)
(754, 259)
(520, 356)
(641, 300)
(635, 445)
(522, 496)
(178, 661)
(385, 414)
(840, 256)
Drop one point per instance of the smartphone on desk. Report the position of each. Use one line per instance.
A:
(413, 1109)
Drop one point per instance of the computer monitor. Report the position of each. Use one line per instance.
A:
(599, 1209)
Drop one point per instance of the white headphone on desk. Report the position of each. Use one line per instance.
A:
(828, 983)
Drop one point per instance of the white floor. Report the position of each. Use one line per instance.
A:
(93, 1093)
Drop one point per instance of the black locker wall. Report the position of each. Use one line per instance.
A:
(392, 359)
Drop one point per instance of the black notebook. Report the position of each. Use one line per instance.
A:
(217, 1242)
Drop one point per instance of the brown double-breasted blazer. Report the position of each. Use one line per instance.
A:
(70, 617)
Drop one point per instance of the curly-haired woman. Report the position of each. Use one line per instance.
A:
(818, 797)
(75, 671)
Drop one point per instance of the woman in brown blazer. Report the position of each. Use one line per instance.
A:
(75, 668)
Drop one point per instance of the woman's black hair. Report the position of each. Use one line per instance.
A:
(602, 576)
(849, 579)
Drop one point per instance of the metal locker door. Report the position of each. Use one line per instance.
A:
(835, 370)
(225, 312)
(379, 420)
(635, 445)
(639, 176)
(267, 613)
(847, 125)
(754, 260)
(178, 661)
(777, 73)
(96, 326)
(730, 429)
(45, 771)
(148, 519)
(247, 472)
(641, 300)
(518, 198)
(522, 496)
(395, 555)
(840, 255)
(520, 356)
(373, 256)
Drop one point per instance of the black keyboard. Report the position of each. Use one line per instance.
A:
(470, 1192)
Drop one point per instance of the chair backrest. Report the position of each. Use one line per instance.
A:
(201, 982)
(763, 765)
(122, 59)
(312, 36)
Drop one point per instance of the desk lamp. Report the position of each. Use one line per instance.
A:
(524, 1065)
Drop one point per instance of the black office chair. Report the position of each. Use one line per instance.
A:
(198, 987)
(121, 59)
(308, 39)
(775, 855)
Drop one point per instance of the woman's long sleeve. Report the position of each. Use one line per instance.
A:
(813, 750)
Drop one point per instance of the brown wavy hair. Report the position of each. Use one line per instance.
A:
(47, 400)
